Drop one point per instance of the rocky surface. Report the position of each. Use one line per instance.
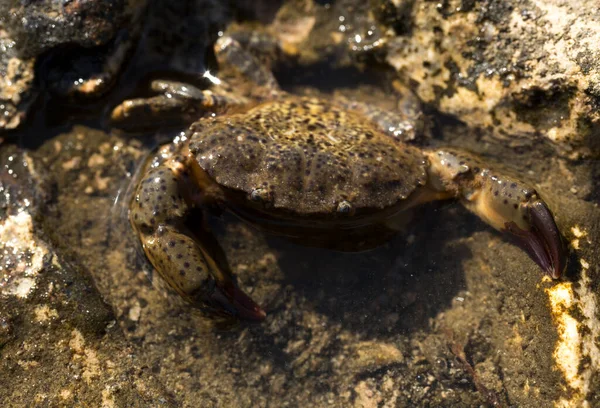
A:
(528, 70)
(72, 48)
(60, 345)
(448, 314)
(16, 83)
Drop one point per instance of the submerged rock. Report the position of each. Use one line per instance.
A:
(58, 339)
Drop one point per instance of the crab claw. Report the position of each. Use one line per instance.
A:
(504, 202)
(542, 241)
(233, 300)
(513, 208)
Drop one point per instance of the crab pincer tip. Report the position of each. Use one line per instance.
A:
(239, 304)
(555, 254)
(543, 242)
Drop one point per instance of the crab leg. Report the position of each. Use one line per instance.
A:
(229, 52)
(191, 263)
(506, 203)
(176, 103)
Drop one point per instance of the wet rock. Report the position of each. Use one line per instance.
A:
(16, 83)
(446, 314)
(518, 69)
(526, 70)
(41, 25)
(53, 322)
(73, 48)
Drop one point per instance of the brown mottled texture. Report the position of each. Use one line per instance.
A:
(309, 156)
(527, 69)
(158, 215)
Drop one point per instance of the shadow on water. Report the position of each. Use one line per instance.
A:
(388, 291)
(392, 289)
(382, 294)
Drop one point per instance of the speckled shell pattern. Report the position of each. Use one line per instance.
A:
(307, 156)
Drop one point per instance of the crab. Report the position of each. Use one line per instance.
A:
(329, 173)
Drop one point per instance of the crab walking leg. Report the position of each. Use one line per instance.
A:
(215, 99)
(229, 52)
(506, 203)
(177, 103)
(404, 124)
(185, 261)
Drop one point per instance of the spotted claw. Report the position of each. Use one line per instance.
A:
(542, 241)
(504, 202)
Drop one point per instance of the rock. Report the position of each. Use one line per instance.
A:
(72, 48)
(53, 322)
(16, 83)
(526, 70)
(446, 314)
(42, 25)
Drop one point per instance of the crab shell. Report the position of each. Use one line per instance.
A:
(301, 158)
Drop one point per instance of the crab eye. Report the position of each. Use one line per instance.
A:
(344, 207)
(259, 195)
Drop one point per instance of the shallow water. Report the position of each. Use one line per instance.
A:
(447, 313)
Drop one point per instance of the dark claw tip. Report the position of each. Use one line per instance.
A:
(235, 301)
(543, 242)
(549, 235)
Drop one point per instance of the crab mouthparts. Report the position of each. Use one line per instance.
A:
(543, 241)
